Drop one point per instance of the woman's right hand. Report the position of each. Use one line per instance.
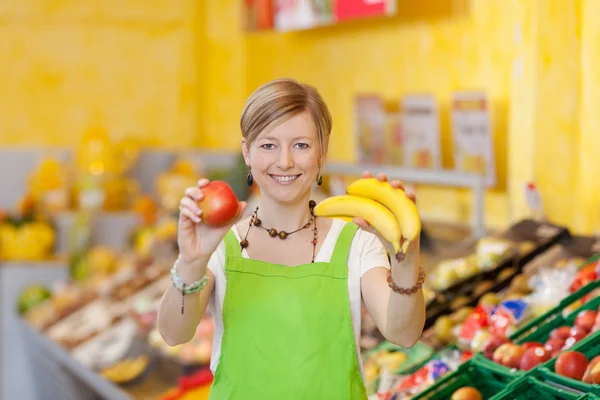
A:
(197, 240)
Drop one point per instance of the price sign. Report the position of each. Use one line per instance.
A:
(421, 132)
(472, 135)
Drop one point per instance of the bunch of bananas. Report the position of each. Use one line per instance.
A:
(387, 209)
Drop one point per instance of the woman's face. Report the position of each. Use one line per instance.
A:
(285, 161)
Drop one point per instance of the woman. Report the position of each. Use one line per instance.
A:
(283, 286)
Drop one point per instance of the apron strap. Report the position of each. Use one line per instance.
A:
(232, 246)
(342, 246)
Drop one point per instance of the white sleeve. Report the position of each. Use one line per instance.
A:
(372, 253)
(216, 264)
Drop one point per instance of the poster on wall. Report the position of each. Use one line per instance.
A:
(393, 140)
(472, 135)
(258, 15)
(356, 9)
(421, 131)
(370, 121)
(302, 14)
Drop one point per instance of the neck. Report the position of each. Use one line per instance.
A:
(284, 217)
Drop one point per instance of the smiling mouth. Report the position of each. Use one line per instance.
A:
(284, 178)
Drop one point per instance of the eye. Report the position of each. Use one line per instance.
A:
(303, 145)
(268, 146)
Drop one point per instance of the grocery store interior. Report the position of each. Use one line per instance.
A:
(484, 109)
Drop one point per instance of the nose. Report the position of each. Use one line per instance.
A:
(285, 160)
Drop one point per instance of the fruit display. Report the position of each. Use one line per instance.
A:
(126, 370)
(26, 239)
(387, 209)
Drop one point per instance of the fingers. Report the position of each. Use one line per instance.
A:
(194, 193)
(397, 184)
(190, 209)
(203, 182)
(363, 224)
(367, 174)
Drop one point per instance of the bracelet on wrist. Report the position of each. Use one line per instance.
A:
(191, 288)
(406, 291)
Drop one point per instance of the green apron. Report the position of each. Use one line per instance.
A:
(288, 330)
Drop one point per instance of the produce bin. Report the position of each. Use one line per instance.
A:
(539, 329)
(471, 373)
(528, 388)
(590, 347)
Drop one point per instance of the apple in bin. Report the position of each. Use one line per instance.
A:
(529, 345)
(509, 355)
(554, 345)
(587, 375)
(571, 364)
(534, 356)
(492, 343)
(467, 393)
(219, 205)
(586, 319)
(562, 332)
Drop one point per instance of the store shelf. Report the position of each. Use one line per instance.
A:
(53, 365)
(446, 178)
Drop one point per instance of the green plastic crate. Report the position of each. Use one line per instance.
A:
(528, 388)
(549, 316)
(590, 346)
(471, 373)
(547, 322)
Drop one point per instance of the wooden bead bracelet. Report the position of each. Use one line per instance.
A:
(411, 290)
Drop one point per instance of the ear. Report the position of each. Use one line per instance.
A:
(246, 153)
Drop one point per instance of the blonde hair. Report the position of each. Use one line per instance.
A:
(276, 101)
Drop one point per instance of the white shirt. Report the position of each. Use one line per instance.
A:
(366, 252)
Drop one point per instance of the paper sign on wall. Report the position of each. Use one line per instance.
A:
(421, 132)
(472, 135)
(370, 124)
(302, 14)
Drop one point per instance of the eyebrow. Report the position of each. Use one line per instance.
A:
(296, 138)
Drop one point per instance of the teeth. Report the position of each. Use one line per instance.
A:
(282, 178)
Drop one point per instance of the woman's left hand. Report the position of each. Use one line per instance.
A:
(367, 227)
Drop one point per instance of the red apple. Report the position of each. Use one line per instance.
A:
(467, 393)
(562, 332)
(571, 364)
(219, 205)
(587, 376)
(553, 345)
(596, 374)
(492, 343)
(569, 343)
(586, 319)
(534, 356)
(579, 332)
(595, 328)
(512, 359)
(501, 352)
(529, 345)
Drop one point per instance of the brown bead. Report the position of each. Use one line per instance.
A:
(312, 204)
(282, 235)
(272, 232)
(314, 242)
(244, 243)
(257, 222)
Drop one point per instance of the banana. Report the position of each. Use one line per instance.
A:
(370, 210)
(396, 200)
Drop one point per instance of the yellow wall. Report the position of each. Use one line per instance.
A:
(177, 74)
(124, 64)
